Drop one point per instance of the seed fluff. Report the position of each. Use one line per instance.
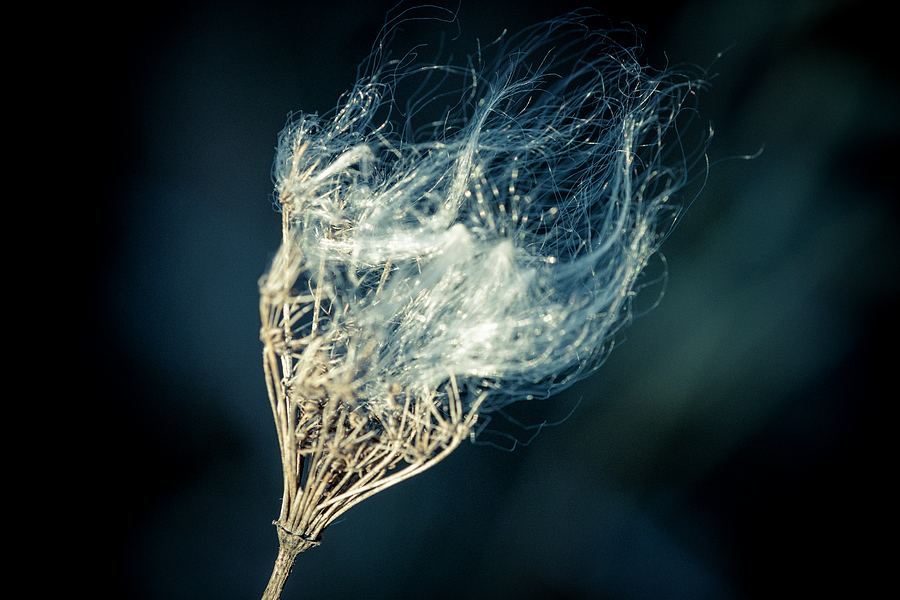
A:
(455, 239)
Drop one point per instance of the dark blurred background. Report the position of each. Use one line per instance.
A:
(734, 446)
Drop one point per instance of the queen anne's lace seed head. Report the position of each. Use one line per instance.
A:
(437, 267)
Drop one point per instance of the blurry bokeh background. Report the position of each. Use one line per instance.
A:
(733, 445)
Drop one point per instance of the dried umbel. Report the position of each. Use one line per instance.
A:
(450, 251)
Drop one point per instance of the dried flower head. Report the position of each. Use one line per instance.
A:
(450, 251)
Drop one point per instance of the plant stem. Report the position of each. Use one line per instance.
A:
(290, 545)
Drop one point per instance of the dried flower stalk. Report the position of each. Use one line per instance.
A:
(333, 453)
(435, 269)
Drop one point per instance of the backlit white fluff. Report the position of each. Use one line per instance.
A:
(489, 229)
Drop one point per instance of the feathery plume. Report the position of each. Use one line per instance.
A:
(456, 249)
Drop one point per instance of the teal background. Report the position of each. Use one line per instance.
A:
(734, 444)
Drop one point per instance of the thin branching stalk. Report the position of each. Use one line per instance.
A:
(476, 243)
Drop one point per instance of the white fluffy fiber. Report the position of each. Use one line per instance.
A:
(489, 227)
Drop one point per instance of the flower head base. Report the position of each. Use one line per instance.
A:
(431, 271)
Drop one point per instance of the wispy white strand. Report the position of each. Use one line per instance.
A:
(498, 240)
